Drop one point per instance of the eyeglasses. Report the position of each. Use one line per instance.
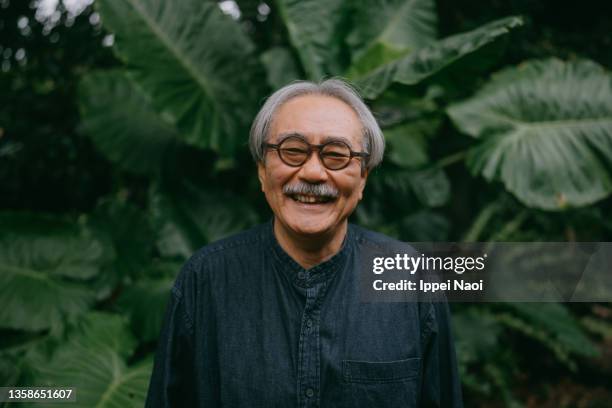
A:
(295, 151)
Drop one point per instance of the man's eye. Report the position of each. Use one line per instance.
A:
(335, 154)
(294, 151)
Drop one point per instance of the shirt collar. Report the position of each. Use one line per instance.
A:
(307, 277)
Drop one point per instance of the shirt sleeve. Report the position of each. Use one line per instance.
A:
(441, 386)
(172, 382)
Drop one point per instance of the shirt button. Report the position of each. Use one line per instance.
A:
(309, 392)
(309, 323)
(301, 275)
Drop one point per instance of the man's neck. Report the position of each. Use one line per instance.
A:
(309, 251)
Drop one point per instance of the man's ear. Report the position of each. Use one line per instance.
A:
(261, 175)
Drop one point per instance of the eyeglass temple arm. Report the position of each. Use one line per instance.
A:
(359, 154)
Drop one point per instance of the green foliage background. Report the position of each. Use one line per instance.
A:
(118, 161)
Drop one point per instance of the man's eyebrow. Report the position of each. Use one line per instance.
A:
(286, 135)
(328, 139)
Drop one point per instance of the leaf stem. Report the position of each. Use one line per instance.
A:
(451, 159)
(510, 227)
(481, 221)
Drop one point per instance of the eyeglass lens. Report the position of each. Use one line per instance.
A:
(295, 152)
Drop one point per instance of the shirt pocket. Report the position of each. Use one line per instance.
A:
(381, 383)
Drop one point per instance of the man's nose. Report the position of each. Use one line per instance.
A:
(313, 170)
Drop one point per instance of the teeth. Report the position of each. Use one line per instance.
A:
(309, 199)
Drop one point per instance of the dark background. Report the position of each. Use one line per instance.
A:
(510, 355)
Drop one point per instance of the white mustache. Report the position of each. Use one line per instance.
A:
(322, 190)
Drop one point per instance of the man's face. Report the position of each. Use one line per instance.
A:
(317, 119)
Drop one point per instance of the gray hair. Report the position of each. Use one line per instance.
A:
(373, 139)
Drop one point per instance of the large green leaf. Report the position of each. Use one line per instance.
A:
(552, 325)
(9, 370)
(408, 142)
(406, 148)
(477, 341)
(101, 330)
(119, 119)
(280, 66)
(436, 57)
(187, 217)
(51, 245)
(424, 226)
(194, 62)
(93, 362)
(408, 124)
(128, 229)
(31, 300)
(477, 334)
(388, 29)
(145, 303)
(546, 132)
(431, 186)
(41, 261)
(400, 186)
(313, 27)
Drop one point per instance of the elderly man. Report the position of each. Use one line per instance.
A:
(272, 317)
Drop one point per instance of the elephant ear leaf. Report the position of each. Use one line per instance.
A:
(93, 362)
(119, 119)
(195, 63)
(186, 217)
(387, 29)
(472, 47)
(45, 263)
(280, 67)
(546, 132)
(145, 302)
(313, 27)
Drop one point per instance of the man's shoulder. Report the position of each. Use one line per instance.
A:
(240, 244)
(215, 255)
(376, 240)
(248, 238)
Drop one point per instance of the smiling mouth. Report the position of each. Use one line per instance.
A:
(311, 199)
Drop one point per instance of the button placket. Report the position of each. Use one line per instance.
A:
(309, 364)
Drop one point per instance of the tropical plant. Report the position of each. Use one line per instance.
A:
(82, 298)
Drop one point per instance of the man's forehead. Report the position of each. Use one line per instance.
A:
(316, 116)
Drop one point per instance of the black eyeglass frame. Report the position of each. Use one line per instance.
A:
(318, 147)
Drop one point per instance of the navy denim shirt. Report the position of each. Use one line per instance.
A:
(247, 326)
